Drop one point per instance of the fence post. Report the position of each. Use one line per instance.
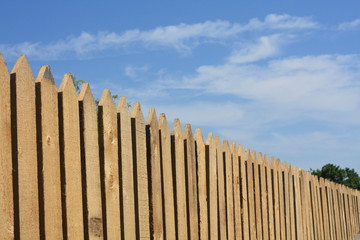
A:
(221, 189)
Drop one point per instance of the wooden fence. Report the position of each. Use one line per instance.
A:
(72, 170)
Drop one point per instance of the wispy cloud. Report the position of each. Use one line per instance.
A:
(181, 37)
(349, 25)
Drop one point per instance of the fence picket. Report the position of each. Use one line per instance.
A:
(213, 187)
(270, 202)
(89, 136)
(127, 169)
(221, 190)
(244, 194)
(70, 159)
(153, 153)
(167, 173)
(6, 181)
(264, 201)
(237, 191)
(48, 155)
(249, 164)
(191, 173)
(139, 151)
(110, 169)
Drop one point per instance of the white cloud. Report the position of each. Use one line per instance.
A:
(266, 46)
(181, 37)
(135, 72)
(349, 25)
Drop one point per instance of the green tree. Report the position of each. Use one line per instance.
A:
(348, 177)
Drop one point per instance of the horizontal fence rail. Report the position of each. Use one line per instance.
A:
(74, 169)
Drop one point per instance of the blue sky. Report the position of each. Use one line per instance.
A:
(280, 77)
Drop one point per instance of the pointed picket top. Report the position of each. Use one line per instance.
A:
(210, 138)
(67, 84)
(247, 154)
(233, 148)
(86, 93)
(188, 134)
(4, 72)
(152, 118)
(199, 136)
(106, 99)
(163, 124)
(218, 142)
(137, 112)
(293, 169)
(123, 107)
(226, 146)
(177, 130)
(259, 158)
(45, 75)
(253, 155)
(22, 67)
(266, 159)
(240, 151)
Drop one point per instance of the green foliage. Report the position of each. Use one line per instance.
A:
(348, 177)
(78, 84)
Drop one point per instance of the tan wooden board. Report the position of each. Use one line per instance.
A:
(182, 214)
(191, 173)
(257, 191)
(109, 157)
(23, 93)
(91, 164)
(6, 183)
(251, 199)
(244, 194)
(213, 187)
(237, 192)
(139, 151)
(221, 189)
(202, 184)
(48, 154)
(127, 170)
(70, 136)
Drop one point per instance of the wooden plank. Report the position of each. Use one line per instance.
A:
(153, 149)
(275, 167)
(228, 165)
(287, 194)
(167, 173)
(127, 170)
(237, 191)
(270, 204)
(48, 155)
(324, 207)
(292, 215)
(192, 198)
(213, 187)
(264, 201)
(330, 209)
(244, 194)
(140, 161)
(89, 135)
(202, 173)
(70, 160)
(281, 200)
(250, 188)
(6, 183)
(298, 204)
(338, 204)
(221, 190)
(110, 169)
(257, 191)
(24, 151)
